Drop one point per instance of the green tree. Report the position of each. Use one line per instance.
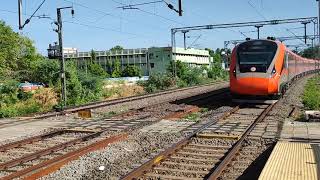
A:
(93, 56)
(131, 71)
(116, 69)
(181, 68)
(109, 67)
(46, 71)
(116, 48)
(16, 52)
(97, 70)
(311, 52)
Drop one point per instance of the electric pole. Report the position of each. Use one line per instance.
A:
(184, 39)
(258, 29)
(20, 13)
(319, 21)
(305, 30)
(61, 56)
(180, 7)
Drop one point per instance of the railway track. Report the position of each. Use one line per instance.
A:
(27, 157)
(205, 153)
(38, 117)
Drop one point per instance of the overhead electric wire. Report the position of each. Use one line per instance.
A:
(140, 4)
(29, 19)
(257, 11)
(154, 14)
(111, 15)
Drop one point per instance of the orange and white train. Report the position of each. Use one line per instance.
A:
(266, 67)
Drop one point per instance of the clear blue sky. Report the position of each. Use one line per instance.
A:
(100, 25)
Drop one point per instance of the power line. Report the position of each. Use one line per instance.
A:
(139, 4)
(111, 15)
(258, 12)
(165, 18)
(33, 14)
(154, 14)
(15, 12)
(79, 23)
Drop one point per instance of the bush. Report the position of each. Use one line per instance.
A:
(97, 70)
(131, 71)
(8, 92)
(311, 95)
(181, 68)
(19, 108)
(158, 82)
(46, 98)
(193, 76)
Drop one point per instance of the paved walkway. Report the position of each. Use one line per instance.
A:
(293, 130)
(28, 128)
(290, 160)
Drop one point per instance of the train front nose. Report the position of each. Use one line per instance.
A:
(250, 86)
(254, 85)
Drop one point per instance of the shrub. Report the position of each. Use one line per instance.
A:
(97, 70)
(311, 95)
(158, 82)
(193, 76)
(46, 97)
(19, 108)
(131, 71)
(8, 92)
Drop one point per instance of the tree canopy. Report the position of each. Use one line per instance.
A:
(17, 52)
(117, 48)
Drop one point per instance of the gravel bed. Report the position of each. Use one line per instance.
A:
(120, 158)
(39, 126)
(117, 158)
(6, 141)
(158, 99)
(250, 162)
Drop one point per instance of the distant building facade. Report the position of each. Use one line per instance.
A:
(149, 60)
(160, 57)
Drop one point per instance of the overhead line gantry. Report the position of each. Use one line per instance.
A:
(184, 30)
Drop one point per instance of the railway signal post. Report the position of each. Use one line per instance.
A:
(61, 56)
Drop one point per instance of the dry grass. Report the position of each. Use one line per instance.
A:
(123, 91)
(46, 98)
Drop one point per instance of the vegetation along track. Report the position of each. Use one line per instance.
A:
(49, 151)
(205, 153)
(40, 116)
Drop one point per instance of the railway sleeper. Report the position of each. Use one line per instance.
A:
(157, 176)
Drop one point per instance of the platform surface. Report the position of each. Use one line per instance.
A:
(296, 131)
(292, 161)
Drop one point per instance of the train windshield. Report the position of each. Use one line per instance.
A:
(256, 56)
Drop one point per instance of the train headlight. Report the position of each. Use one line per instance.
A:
(234, 73)
(274, 71)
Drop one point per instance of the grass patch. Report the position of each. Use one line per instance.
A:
(311, 94)
(109, 114)
(204, 110)
(195, 117)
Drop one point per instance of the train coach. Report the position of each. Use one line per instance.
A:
(266, 68)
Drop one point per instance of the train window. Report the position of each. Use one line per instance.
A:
(286, 61)
(258, 54)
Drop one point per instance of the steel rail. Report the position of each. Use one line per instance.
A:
(29, 140)
(64, 158)
(54, 164)
(235, 149)
(35, 155)
(39, 137)
(149, 164)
